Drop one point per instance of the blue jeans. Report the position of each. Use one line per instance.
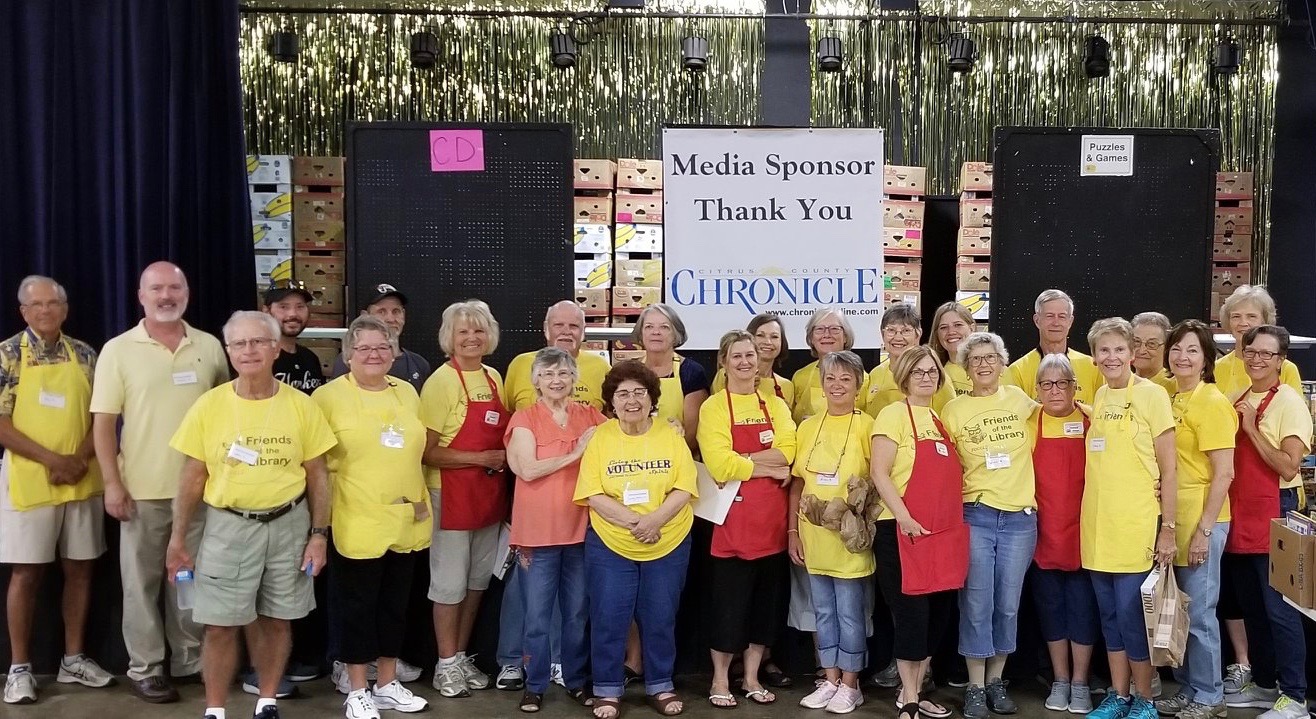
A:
(1199, 678)
(1119, 602)
(838, 609)
(622, 590)
(511, 627)
(1066, 606)
(1001, 546)
(1276, 643)
(549, 577)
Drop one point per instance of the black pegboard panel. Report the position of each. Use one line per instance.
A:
(1117, 245)
(502, 235)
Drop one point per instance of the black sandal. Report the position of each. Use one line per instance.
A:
(530, 702)
(583, 696)
(774, 677)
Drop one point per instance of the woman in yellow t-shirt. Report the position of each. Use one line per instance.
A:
(827, 331)
(772, 349)
(637, 477)
(832, 447)
(1205, 425)
(659, 331)
(1130, 446)
(901, 330)
(1249, 306)
(951, 324)
(381, 511)
(993, 437)
(1150, 332)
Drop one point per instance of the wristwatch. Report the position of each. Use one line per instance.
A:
(1167, 525)
(1206, 531)
(322, 531)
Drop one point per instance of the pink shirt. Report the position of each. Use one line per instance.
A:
(543, 513)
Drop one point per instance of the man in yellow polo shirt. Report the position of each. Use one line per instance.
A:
(149, 376)
(50, 489)
(255, 452)
(1053, 313)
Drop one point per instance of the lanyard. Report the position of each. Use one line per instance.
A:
(818, 438)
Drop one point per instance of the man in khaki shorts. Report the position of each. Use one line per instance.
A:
(50, 490)
(255, 453)
(150, 376)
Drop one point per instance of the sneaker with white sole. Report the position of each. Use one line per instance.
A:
(475, 679)
(1173, 705)
(820, 697)
(555, 675)
(1237, 676)
(251, 685)
(845, 700)
(340, 679)
(20, 687)
(1058, 699)
(1198, 710)
(1112, 707)
(360, 705)
(511, 678)
(83, 670)
(1286, 707)
(395, 697)
(407, 672)
(1080, 699)
(450, 681)
(1252, 697)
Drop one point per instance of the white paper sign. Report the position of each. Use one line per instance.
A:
(772, 220)
(1107, 156)
(713, 501)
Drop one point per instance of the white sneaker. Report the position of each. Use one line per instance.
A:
(510, 678)
(359, 705)
(82, 670)
(20, 688)
(1286, 708)
(407, 673)
(820, 696)
(339, 676)
(845, 700)
(475, 679)
(450, 681)
(1253, 697)
(395, 697)
(555, 675)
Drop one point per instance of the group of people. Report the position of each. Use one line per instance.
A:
(947, 473)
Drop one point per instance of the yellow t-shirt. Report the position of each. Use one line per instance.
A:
(1166, 383)
(767, 385)
(714, 435)
(882, 391)
(1231, 375)
(958, 378)
(639, 472)
(1287, 416)
(590, 370)
(376, 463)
(1205, 421)
(837, 448)
(994, 439)
(443, 405)
(809, 398)
(152, 389)
(1023, 373)
(893, 423)
(280, 433)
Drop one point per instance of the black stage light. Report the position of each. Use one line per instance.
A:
(694, 53)
(424, 49)
(283, 45)
(829, 54)
(562, 49)
(1228, 56)
(960, 52)
(1096, 59)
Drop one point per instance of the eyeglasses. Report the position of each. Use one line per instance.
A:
(556, 374)
(1261, 354)
(899, 331)
(241, 345)
(985, 361)
(1047, 385)
(47, 305)
(924, 373)
(625, 394)
(1152, 345)
(829, 330)
(375, 350)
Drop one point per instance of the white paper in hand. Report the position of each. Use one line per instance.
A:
(714, 502)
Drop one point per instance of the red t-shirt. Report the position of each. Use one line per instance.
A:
(543, 513)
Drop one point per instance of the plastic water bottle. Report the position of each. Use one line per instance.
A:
(185, 586)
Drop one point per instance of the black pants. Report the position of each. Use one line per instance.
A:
(921, 620)
(747, 600)
(370, 597)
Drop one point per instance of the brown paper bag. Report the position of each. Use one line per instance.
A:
(1165, 613)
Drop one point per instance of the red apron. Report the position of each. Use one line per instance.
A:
(938, 561)
(475, 497)
(776, 387)
(755, 526)
(1060, 463)
(1254, 494)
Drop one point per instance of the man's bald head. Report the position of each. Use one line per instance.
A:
(163, 292)
(162, 271)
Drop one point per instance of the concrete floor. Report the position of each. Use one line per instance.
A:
(319, 700)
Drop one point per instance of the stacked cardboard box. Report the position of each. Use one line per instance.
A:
(637, 244)
(974, 243)
(269, 187)
(319, 236)
(903, 189)
(1231, 253)
(592, 238)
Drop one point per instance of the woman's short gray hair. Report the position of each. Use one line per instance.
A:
(549, 358)
(1056, 363)
(844, 360)
(1117, 326)
(978, 339)
(1257, 295)
(267, 321)
(821, 314)
(679, 335)
(1155, 319)
(474, 312)
(368, 323)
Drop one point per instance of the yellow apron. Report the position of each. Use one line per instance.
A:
(1119, 511)
(671, 401)
(52, 406)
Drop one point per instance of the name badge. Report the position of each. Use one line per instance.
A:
(50, 399)
(245, 455)
(491, 417)
(391, 439)
(998, 461)
(1098, 444)
(941, 449)
(765, 437)
(632, 497)
(182, 378)
(828, 480)
(1073, 429)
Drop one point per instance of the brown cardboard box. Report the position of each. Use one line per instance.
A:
(314, 270)
(909, 298)
(1232, 248)
(326, 355)
(594, 210)
(631, 300)
(1233, 220)
(905, 214)
(319, 171)
(905, 180)
(1227, 278)
(972, 276)
(318, 320)
(320, 235)
(638, 273)
(975, 241)
(975, 213)
(1216, 301)
(639, 174)
(976, 177)
(1234, 186)
(316, 207)
(619, 356)
(328, 299)
(1291, 557)
(901, 242)
(594, 174)
(902, 276)
(640, 209)
(593, 300)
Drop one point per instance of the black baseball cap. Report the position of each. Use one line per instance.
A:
(280, 289)
(384, 291)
